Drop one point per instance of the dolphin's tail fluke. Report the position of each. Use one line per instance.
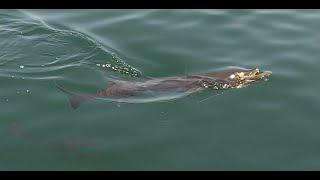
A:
(75, 99)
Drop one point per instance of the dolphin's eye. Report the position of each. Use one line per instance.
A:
(232, 76)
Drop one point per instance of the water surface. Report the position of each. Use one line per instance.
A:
(267, 126)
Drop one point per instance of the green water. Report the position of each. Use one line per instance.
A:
(272, 125)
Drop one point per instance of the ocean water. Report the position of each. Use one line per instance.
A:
(272, 125)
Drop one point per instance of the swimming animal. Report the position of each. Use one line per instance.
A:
(170, 87)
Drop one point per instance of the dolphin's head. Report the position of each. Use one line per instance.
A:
(238, 77)
(244, 78)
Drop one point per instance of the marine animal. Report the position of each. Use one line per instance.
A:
(157, 89)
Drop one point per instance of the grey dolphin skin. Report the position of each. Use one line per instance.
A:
(121, 90)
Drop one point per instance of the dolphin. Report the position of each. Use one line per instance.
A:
(157, 89)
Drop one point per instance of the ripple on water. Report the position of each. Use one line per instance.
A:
(51, 49)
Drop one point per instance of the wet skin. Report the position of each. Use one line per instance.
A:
(221, 80)
(228, 79)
